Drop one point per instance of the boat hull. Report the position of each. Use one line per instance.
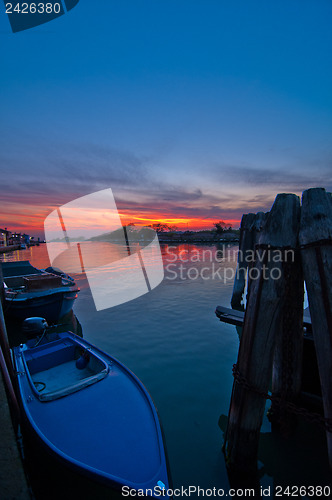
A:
(52, 479)
(108, 431)
(51, 306)
(34, 292)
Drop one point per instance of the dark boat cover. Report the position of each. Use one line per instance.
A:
(23, 268)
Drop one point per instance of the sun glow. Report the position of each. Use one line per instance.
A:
(181, 223)
(30, 219)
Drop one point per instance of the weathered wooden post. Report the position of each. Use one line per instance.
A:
(316, 251)
(257, 226)
(6, 366)
(262, 323)
(288, 355)
(4, 342)
(245, 243)
(251, 226)
(2, 290)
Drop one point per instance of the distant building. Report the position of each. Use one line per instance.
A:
(25, 238)
(5, 237)
(16, 238)
(3, 241)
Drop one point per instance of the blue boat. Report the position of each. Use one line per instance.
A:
(34, 292)
(91, 413)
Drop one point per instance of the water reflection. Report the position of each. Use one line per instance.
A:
(279, 457)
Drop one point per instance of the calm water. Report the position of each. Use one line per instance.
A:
(171, 339)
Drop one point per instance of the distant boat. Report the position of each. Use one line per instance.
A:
(91, 413)
(23, 246)
(33, 292)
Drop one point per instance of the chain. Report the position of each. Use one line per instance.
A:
(291, 407)
(315, 244)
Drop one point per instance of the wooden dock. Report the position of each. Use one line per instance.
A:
(13, 483)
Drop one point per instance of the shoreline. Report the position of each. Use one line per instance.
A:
(10, 248)
(198, 240)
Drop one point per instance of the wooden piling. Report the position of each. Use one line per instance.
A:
(262, 323)
(288, 354)
(251, 226)
(246, 243)
(4, 342)
(316, 251)
(13, 483)
(2, 289)
(258, 224)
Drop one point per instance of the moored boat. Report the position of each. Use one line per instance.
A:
(91, 413)
(34, 292)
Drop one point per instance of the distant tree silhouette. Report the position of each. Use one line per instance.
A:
(221, 227)
(160, 228)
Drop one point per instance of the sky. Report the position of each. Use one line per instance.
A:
(191, 111)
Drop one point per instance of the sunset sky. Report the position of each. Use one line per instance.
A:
(192, 111)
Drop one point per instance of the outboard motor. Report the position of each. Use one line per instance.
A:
(34, 327)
